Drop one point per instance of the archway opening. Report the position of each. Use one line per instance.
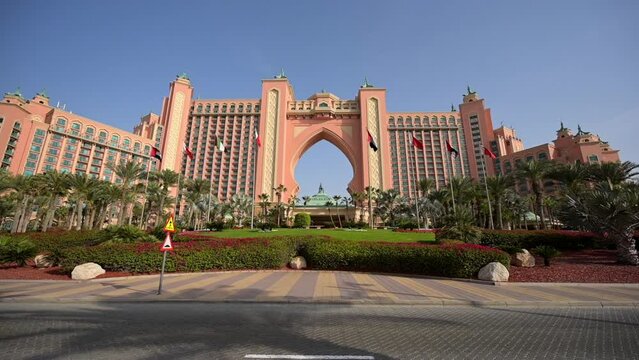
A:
(324, 165)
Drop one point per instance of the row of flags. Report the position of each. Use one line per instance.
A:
(420, 145)
(217, 143)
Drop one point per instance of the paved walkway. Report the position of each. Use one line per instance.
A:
(320, 287)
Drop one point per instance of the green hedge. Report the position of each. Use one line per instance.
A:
(528, 239)
(459, 260)
(188, 256)
(59, 239)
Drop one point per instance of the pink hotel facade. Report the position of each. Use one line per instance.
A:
(36, 137)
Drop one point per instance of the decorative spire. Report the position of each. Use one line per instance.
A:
(321, 189)
(562, 128)
(43, 93)
(366, 84)
(184, 76)
(469, 90)
(581, 132)
(17, 92)
(281, 75)
(452, 108)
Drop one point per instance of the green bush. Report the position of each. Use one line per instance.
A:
(115, 234)
(462, 261)
(216, 225)
(356, 225)
(528, 239)
(408, 225)
(546, 252)
(49, 241)
(225, 254)
(302, 220)
(16, 250)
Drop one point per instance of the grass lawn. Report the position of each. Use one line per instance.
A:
(340, 234)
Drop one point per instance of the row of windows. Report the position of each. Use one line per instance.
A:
(227, 108)
(103, 135)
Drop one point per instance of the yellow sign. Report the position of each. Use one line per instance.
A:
(169, 227)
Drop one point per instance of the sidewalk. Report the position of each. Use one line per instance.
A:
(319, 287)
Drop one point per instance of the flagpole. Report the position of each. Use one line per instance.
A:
(414, 179)
(146, 186)
(452, 192)
(253, 186)
(177, 196)
(370, 188)
(490, 209)
(208, 212)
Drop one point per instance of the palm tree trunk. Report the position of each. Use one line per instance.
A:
(17, 215)
(104, 211)
(339, 219)
(499, 214)
(627, 249)
(331, 215)
(26, 215)
(78, 209)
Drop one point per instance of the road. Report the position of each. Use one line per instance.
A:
(191, 330)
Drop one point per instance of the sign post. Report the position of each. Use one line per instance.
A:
(166, 247)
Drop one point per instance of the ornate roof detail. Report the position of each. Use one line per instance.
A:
(321, 189)
(581, 132)
(17, 93)
(184, 76)
(562, 128)
(469, 90)
(281, 75)
(452, 108)
(366, 84)
(320, 199)
(43, 93)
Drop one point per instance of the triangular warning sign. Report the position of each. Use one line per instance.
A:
(167, 246)
(169, 227)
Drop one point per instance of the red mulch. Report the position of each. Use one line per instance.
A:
(585, 266)
(30, 272)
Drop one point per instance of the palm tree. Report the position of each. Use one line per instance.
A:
(337, 198)
(534, 173)
(572, 177)
(25, 187)
(387, 203)
(359, 199)
(328, 205)
(613, 212)
(196, 193)
(371, 193)
(292, 201)
(81, 187)
(281, 189)
(614, 173)
(347, 201)
(56, 185)
(166, 179)
(498, 186)
(426, 186)
(264, 203)
(306, 199)
(128, 172)
(240, 205)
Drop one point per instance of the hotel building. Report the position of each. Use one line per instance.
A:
(36, 137)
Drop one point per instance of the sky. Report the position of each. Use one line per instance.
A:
(535, 63)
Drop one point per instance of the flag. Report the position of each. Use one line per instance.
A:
(489, 153)
(188, 152)
(451, 149)
(418, 144)
(371, 141)
(220, 145)
(257, 138)
(155, 152)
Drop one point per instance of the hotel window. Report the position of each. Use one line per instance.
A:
(36, 148)
(66, 163)
(89, 132)
(593, 158)
(240, 108)
(224, 108)
(207, 109)
(33, 156)
(543, 156)
(71, 147)
(115, 140)
(216, 108)
(61, 124)
(232, 108)
(127, 143)
(257, 108)
(53, 152)
(75, 128)
(68, 155)
(199, 108)
(38, 132)
(147, 149)
(51, 159)
(530, 158)
(136, 147)
(103, 136)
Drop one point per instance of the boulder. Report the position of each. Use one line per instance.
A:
(523, 259)
(87, 271)
(494, 271)
(297, 263)
(42, 262)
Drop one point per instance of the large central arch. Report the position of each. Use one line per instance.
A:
(289, 127)
(311, 136)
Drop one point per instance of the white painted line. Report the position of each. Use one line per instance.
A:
(311, 357)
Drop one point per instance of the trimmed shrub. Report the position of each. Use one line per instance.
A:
(224, 254)
(356, 225)
(115, 234)
(546, 252)
(16, 250)
(408, 225)
(216, 225)
(302, 220)
(59, 239)
(459, 260)
(528, 239)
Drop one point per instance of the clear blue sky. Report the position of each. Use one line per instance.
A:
(535, 62)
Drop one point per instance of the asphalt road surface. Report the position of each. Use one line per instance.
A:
(309, 331)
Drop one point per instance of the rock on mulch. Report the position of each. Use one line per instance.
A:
(586, 266)
(31, 272)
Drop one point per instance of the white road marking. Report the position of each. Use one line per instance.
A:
(310, 357)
